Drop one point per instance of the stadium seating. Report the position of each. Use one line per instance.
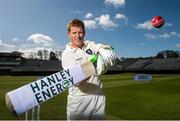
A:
(14, 64)
(164, 64)
(38, 66)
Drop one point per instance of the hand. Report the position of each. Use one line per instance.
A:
(93, 58)
(106, 59)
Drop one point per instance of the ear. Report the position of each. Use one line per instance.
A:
(68, 34)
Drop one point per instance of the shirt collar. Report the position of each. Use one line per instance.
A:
(68, 46)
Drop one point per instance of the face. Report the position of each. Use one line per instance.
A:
(76, 36)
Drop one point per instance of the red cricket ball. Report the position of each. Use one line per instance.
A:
(158, 21)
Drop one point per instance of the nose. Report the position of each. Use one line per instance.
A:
(78, 34)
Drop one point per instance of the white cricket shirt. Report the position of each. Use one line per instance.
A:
(72, 56)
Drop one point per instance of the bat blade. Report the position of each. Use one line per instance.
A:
(30, 95)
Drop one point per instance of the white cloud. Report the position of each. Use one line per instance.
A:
(165, 35)
(105, 22)
(33, 52)
(141, 44)
(178, 45)
(150, 36)
(15, 39)
(146, 25)
(77, 11)
(90, 24)
(4, 47)
(41, 39)
(168, 24)
(115, 3)
(120, 16)
(175, 34)
(88, 16)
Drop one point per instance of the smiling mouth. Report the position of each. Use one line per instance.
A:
(78, 40)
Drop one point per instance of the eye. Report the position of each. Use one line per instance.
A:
(74, 32)
(81, 32)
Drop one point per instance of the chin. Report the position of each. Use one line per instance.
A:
(79, 45)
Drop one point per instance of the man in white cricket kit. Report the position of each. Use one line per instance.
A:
(86, 100)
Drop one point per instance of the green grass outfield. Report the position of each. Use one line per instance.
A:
(125, 98)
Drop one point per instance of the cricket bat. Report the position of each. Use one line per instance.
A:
(30, 95)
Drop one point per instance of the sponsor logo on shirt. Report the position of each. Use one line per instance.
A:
(89, 51)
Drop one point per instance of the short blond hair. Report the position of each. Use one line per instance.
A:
(75, 23)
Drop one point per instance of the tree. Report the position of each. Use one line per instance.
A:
(167, 54)
(31, 55)
(45, 54)
(52, 56)
(58, 54)
(40, 54)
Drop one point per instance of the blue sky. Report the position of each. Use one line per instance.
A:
(29, 25)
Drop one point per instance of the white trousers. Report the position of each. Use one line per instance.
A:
(88, 107)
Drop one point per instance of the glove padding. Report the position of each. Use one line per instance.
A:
(93, 58)
(106, 59)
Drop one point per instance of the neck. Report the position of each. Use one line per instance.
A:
(75, 46)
